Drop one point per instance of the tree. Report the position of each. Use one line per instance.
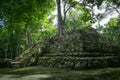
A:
(78, 18)
(19, 16)
(68, 4)
(112, 30)
(26, 11)
(61, 19)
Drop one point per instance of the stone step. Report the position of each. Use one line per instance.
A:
(79, 55)
(16, 64)
(79, 62)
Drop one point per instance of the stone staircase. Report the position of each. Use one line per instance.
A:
(79, 61)
(16, 64)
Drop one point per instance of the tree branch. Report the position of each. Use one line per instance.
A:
(66, 10)
(71, 6)
(116, 10)
(64, 6)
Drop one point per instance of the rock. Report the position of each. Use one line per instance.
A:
(16, 64)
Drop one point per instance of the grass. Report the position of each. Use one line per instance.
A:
(31, 70)
(62, 74)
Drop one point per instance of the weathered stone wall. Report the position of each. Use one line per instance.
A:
(82, 40)
(79, 62)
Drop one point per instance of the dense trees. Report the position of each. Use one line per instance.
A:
(86, 6)
(20, 18)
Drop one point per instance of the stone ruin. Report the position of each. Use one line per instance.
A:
(80, 49)
(82, 40)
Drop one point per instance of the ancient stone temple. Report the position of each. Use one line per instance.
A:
(80, 49)
(82, 40)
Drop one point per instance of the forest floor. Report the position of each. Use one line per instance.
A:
(40, 73)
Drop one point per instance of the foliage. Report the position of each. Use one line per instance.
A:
(112, 30)
(22, 21)
(78, 18)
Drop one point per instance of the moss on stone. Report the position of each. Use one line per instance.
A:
(79, 62)
(82, 40)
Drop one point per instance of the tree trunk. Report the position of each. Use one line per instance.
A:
(6, 52)
(60, 21)
(11, 53)
(17, 50)
(27, 40)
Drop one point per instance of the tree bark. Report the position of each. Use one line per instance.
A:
(60, 21)
(27, 40)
